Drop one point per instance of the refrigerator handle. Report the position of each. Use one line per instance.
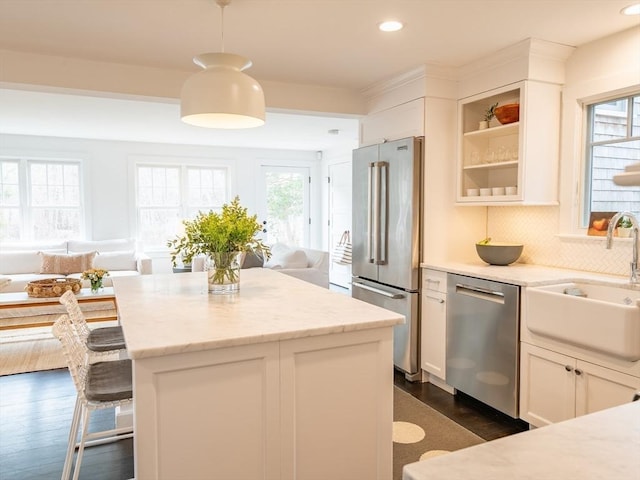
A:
(395, 296)
(383, 211)
(376, 213)
(370, 212)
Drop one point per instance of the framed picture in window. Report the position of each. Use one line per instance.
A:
(599, 223)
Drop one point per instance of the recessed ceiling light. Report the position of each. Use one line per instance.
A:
(631, 9)
(391, 26)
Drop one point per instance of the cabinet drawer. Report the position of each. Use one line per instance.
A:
(434, 280)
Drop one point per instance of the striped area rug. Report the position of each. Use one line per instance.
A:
(29, 351)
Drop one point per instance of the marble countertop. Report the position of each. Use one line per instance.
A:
(602, 445)
(174, 313)
(527, 275)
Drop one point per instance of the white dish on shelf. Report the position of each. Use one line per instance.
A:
(496, 191)
(485, 192)
(511, 190)
(473, 192)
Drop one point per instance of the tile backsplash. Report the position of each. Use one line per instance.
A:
(537, 228)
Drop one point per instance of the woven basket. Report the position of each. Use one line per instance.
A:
(52, 287)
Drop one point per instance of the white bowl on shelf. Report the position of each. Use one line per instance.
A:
(473, 192)
(496, 191)
(485, 192)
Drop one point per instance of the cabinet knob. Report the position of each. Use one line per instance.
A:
(578, 371)
(568, 368)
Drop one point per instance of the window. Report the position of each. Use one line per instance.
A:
(9, 201)
(167, 194)
(613, 143)
(39, 200)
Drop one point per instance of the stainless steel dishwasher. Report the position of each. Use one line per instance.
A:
(483, 319)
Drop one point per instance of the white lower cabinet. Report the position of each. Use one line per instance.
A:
(433, 333)
(556, 387)
(318, 407)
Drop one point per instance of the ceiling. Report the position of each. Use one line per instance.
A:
(318, 42)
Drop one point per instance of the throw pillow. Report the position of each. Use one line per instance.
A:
(66, 264)
(115, 260)
(285, 257)
(252, 260)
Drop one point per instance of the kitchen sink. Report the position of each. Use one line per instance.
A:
(604, 318)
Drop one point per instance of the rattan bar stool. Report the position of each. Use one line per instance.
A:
(98, 385)
(100, 341)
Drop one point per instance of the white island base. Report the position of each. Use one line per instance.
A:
(286, 380)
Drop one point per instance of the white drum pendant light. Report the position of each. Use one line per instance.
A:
(222, 95)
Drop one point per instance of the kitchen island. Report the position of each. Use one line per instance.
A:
(282, 380)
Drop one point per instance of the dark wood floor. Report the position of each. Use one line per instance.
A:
(35, 416)
(36, 410)
(486, 422)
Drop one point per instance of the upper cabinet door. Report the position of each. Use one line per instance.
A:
(400, 121)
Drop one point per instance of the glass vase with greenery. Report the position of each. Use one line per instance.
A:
(222, 237)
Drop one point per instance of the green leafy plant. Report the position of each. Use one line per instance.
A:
(625, 222)
(232, 230)
(490, 112)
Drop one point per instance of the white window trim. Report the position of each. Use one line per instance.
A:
(573, 159)
(24, 190)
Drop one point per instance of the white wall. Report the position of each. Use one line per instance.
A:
(606, 66)
(109, 185)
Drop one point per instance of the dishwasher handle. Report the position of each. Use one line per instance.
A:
(395, 296)
(480, 292)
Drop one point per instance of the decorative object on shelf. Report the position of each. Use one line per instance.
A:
(95, 276)
(508, 113)
(222, 95)
(342, 252)
(222, 237)
(624, 227)
(52, 287)
(488, 116)
(498, 253)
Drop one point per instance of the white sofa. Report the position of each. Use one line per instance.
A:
(23, 263)
(303, 263)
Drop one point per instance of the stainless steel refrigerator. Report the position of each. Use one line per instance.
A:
(386, 238)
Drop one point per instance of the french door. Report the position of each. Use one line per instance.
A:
(283, 203)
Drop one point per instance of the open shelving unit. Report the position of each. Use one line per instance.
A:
(497, 157)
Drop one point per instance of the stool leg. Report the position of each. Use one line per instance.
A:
(85, 427)
(73, 435)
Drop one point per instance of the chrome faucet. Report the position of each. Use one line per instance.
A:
(634, 234)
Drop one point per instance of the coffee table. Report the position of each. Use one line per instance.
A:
(18, 310)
